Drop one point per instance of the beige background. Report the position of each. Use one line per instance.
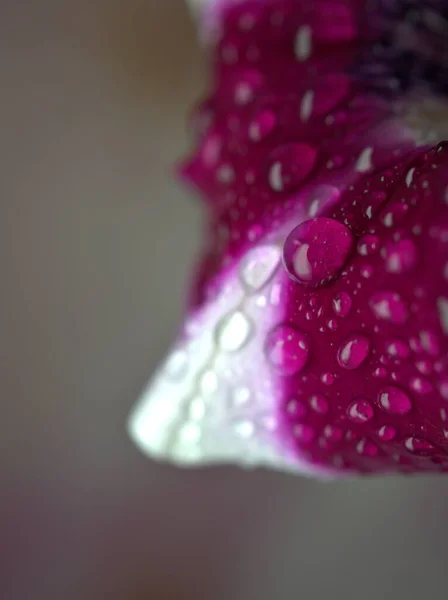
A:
(96, 240)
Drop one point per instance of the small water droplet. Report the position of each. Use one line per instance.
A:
(386, 433)
(296, 408)
(443, 388)
(209, 383)
(327, 378)
(241, 396)
(380, 372)
(354, 351)
(398, 349)
(419, 446)
(342, 304)
(304, 433)
(233, 331)
(197, 409)
(287, 349)
(400, 257)
(394, 401)
(442, 304)
(420, 385)
(306, 105)
(290, 165)
(190, 433)
(262, 125)
(319, 404)
(258, 267)
(316, 250)
(368, 245)
(366, 448)
(430, 342)
(360, 411)
(332, 433)
(388, 306)
(244, 429)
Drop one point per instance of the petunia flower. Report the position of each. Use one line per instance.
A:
(316, 332)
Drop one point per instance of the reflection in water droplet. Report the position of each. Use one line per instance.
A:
(388, 306)
(420, 385)
(259, 266)
(394, 401)
(287, 349)
(316, 250)
(332, 433)
(327, 378)
(354, 351)
(264, 123)
(342, 304)
(233, 332)
(360, 411)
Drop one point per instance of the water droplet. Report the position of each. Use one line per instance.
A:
(394, 401)
(419, 446)
(332, 433)
(290, 165)
(322, 197)
(244, 429)
(176, 365)
(368, 245)
(400, 257)
(296, 408)
(424, 366)
(197, 409)
(319, 404)
(420, 385)
(354, 351)
(190, 433)
(388, 306)
(287, 349)
(241, 396)
(366, 448)
(342, 304)
(262, 125)
(398, 349)
(303, 43)
(304, 433)
(409, 176)
(386, 433)
(233, 331)
(209, 383)
(248, 85)
(259, 266)
(366, 271)
(316, 250)
(430, 343)
(360, 411)
(443, 388)
(327, 378)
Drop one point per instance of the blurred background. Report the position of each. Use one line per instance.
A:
(96, 241)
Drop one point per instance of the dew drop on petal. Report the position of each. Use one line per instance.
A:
(233, 331)
(360, 411)
(354, 351)
(316, 250)
(287, 349)
(394, 401)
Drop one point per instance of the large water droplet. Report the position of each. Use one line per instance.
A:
(287, 349)
(354, 351)
(342, 304)
(290, 165)
(259, 266)
(233, 331)
(388, 306)
(360, 411)
(394, 401)
(400, 257)
(315, 251)
(419, 446)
